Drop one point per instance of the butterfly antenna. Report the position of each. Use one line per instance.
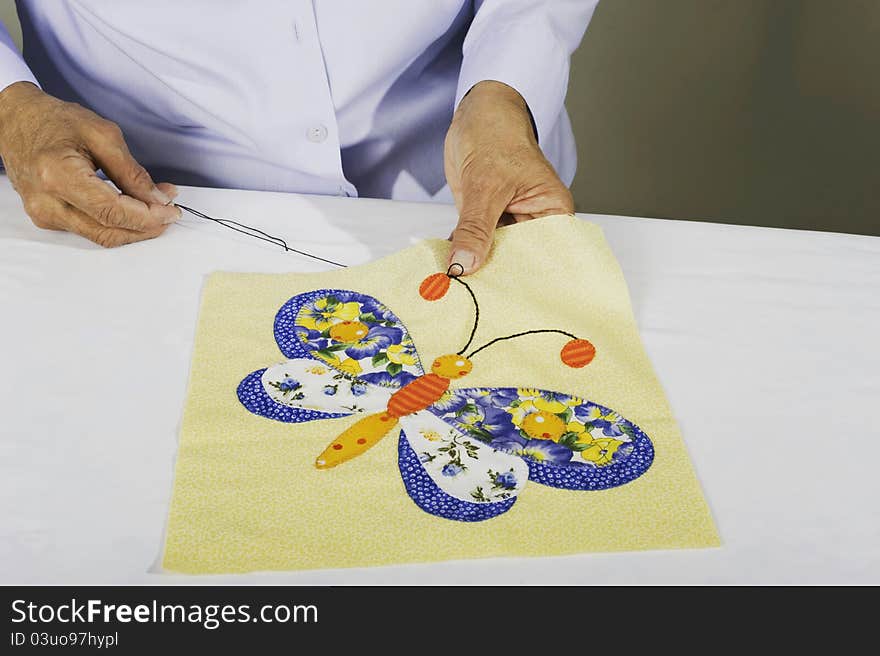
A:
(456, 278)
(526, 332)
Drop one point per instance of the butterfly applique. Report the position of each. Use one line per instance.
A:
(463, 453)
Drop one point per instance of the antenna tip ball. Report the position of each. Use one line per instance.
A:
(434, 287)
(578, 353)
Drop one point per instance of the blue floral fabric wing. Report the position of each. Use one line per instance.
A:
(452, 475)
(304, 390)
(352, 332)
(566, 441)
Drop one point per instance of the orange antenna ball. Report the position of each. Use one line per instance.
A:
(434, 287)
(578, 353)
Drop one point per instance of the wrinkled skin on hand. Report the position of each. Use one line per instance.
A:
(496, 171)
(52, 151)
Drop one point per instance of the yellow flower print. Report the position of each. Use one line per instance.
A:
(523, 410)
(350, 366)
(317, 370)
(528, 392)
(321, 314)
(601, 451)
(431, 436)
(544, 405)
(543, 426)
(397, 354)
(576, 427)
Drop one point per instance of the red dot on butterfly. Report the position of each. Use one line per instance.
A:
(337, 446)
(362, 440)
(462, 373)
(384, 417)
(578, 353)
(546, 435)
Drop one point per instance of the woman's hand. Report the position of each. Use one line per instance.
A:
(52, 149)
(495, 167)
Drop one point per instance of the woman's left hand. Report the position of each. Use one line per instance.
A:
(495, 168)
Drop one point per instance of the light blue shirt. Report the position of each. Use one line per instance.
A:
(340, 97)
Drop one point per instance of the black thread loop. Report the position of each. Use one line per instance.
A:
(453, 275)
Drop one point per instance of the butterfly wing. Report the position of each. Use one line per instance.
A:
(566, 441)
(352, 332)
(451, 475)
(303, 389)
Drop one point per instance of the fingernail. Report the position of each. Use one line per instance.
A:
(173, 192)
(172, 219)
(465, 259)
(160, 197)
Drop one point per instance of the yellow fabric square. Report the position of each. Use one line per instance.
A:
(247, 495)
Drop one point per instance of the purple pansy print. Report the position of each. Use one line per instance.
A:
(499, 397)
(594, 416)
(313, 338)
(384, 379)
(539, 450)
(486, 423)
(377, 339)
(371, 306)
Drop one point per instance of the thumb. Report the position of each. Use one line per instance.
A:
(472, 238)
(111, 154)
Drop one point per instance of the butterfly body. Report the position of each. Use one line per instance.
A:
(417, 395)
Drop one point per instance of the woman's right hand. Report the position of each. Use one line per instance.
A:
(52, 150)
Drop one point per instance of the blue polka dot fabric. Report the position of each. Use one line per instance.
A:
(430, 498)
(253, 397)
(285, 322)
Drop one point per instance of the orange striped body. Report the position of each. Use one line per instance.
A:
(417, 395)
(412, 397)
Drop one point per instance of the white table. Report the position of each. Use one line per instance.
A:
(766, 342)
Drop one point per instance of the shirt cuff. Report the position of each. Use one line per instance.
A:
(12, 66)
(525, 57)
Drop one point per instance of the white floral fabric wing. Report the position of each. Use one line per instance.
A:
(309, 384)
(463, 467)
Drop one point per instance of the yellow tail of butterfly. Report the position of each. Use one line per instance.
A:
(358, 438)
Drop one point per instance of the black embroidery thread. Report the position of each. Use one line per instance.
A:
(526, 332)
(250, 231)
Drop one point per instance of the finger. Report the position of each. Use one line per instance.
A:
(66, 217)
(543, 201)
(81, 187)
(481, 208)
(110, 152)
(169, 189)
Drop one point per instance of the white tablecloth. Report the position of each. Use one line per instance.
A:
(766, 342)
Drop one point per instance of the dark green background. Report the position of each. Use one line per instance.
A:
(762, 112)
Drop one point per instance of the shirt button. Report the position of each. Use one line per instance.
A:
(316, 134)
